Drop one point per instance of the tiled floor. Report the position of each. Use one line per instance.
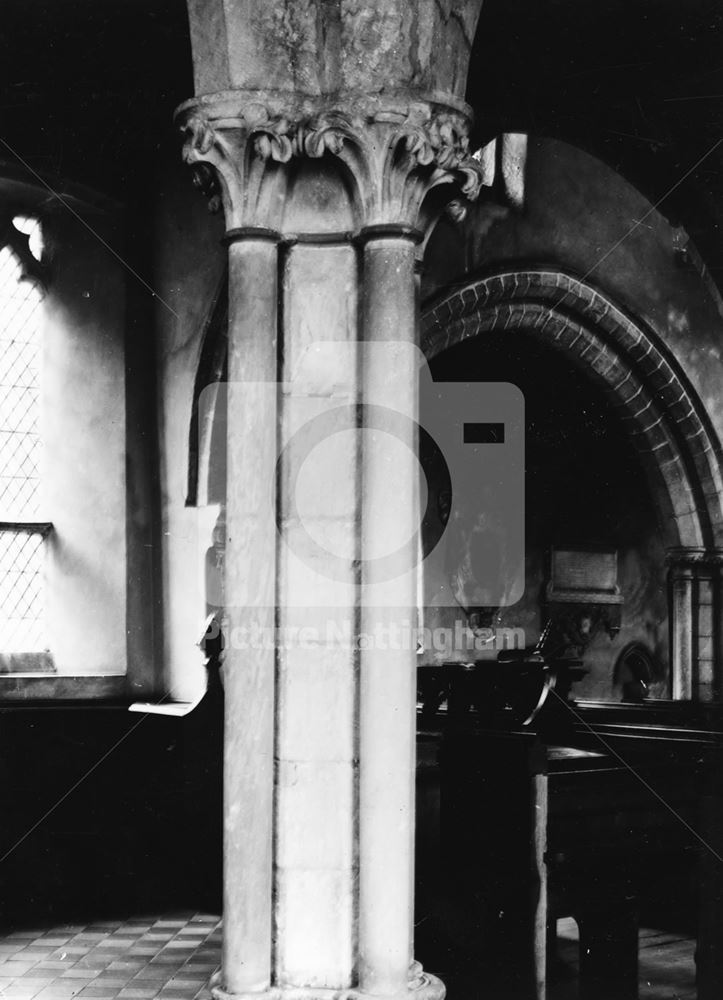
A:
(171, 958)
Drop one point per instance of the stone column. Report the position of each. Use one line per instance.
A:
(387, 715)
(683, 639)
(324, 805)
(251, 599)
(710, 622)
(704, 630)
(696, 623)
(317, 673)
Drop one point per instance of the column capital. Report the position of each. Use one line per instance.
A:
(685, 559)
(393, 149)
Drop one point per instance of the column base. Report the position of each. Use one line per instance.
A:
(423, 986)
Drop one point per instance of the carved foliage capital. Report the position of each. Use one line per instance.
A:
(394, 153)
(442, 141)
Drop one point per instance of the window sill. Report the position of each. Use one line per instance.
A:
(62, 687)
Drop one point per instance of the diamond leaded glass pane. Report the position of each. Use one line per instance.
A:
(21, 551)
(19, 393)
(21, 592)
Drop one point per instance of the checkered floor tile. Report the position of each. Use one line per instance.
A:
(170, 957)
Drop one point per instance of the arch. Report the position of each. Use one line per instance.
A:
(644, 383)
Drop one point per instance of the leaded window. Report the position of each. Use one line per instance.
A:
(23, 522)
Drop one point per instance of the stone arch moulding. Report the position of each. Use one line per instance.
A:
(641, 378)
(666, 421)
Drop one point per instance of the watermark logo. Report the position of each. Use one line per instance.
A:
(375, 492)
(458, 642)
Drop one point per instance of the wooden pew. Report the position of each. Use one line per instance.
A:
(594, 826)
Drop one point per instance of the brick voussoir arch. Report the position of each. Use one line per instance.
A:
(665, 418)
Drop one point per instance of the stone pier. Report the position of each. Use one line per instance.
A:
(332, 157)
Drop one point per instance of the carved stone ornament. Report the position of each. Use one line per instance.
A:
(395, 151)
